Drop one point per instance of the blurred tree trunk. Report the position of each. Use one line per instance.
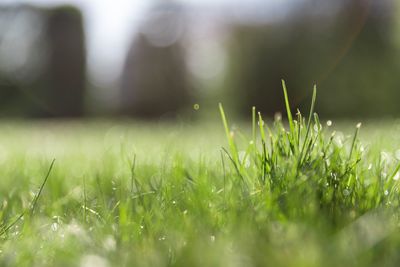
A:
(42, 61)
(155, 79)
(65, 73)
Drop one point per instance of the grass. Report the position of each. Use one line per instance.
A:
(274, 194)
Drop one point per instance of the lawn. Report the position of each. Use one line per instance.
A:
(200, 194)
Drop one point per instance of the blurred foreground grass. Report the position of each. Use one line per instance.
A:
(135, 194)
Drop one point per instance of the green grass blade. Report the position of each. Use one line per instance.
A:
(261, 125)
(288, 111)
(353, 143)
(35, 200)
(314, 98)
(391, 179)
(253, 116)
(231, 142)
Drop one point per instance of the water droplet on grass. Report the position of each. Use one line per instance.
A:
(386, 158)
(109, 243)
(386, 192)
(212, 238)
(317, 127)
(346, 192)
(54, 227)
(338, 139)
(278, 116)
(244, 159)
(329, 123)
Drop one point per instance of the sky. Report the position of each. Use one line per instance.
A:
(110, 27)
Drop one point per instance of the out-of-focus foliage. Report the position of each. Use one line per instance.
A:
(349, 53)
(349, 48)
(42, 61)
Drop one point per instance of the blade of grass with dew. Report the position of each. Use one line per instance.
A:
(33, 204)
(231, 142)
(314, 97)
(35, 200)
(253, 122)
(288, 110)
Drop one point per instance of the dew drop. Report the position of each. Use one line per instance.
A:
(109, 243)
(278, 116)
(317, 127)
(212, 238)
(244, 159)
(346, 192)
(54, 227)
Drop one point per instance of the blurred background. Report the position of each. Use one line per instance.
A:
(152, 59)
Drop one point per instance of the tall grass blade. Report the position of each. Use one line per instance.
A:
(314, 97)
(288, 111)
(35, 200)
(261, 126)
(231, 142)
(33, 205)
(353, 143)
(253, 116)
